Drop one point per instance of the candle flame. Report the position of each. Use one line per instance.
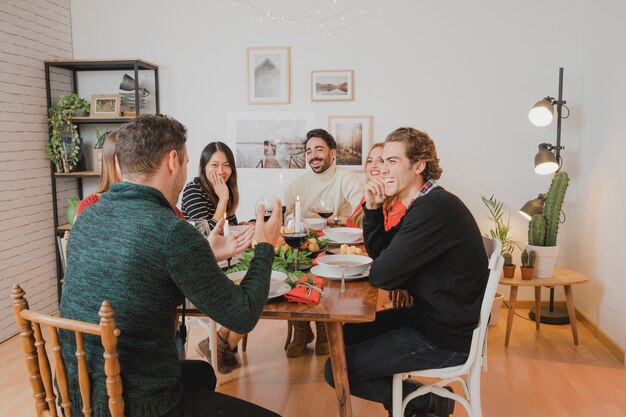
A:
(298, 197)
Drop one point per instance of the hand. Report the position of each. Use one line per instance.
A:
(225, 247)
(374, 193)
(220, 187)
(268, 232)
(401, 298)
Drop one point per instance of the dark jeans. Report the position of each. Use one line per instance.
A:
(377, 350)
(200, 400)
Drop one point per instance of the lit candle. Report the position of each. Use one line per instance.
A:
(297, 211)
(226, 231)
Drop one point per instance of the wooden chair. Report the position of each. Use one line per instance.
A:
(468, 374)
(40, 374)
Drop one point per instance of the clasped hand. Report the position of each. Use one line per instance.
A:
(374, 193)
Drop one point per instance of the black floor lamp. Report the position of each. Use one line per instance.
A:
(547, 161)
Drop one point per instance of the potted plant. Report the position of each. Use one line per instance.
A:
(71, 209)
(60, 120)
(528, 264)
(97, 149)
(501, 230)
(543, 228)
(508, 270)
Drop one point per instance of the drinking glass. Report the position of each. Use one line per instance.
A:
(201, 225)
(295, 234)
(325, 208)
(268, 202)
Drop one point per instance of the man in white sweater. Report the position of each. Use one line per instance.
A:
(326, 179)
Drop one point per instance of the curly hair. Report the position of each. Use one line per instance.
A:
(419, 147)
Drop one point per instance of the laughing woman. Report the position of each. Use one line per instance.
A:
(214, 191)
(209, 196)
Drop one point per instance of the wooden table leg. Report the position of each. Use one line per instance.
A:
(537, 307)
(340, 369)
(569, 299)
(509, 319)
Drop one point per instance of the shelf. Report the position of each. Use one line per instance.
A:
(64, 228)
(94, 120)
(78, 174)
(101, 64)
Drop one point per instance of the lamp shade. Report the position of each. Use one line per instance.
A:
(541, 113)
(545, 160)
(532, 207)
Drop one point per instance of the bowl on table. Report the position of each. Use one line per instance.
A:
(351, 264)
(277, 279)
(315, 223)
(343, 234)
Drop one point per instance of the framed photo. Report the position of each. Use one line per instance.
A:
(105, 105)
(269, 75)
(332, 85)
(269, 140)
(354, 137)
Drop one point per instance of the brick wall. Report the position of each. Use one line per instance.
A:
(31, 31)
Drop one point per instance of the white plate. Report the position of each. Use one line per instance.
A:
(321, 272)
(336, 242)
(282, 290)
(233, 261)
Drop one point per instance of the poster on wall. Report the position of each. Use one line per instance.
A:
(269, 140)
(268, 75)
(353, 135)
(332, 85)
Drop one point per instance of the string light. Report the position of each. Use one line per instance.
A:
(324, 17)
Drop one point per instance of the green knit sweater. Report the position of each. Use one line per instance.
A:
(132, 250)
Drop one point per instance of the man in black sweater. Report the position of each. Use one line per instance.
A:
(436, 254)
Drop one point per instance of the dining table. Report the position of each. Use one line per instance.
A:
(357, 304)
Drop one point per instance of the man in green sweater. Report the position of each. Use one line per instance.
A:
(132, 250)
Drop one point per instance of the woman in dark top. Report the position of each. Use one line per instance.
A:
(214, 191)
(212, 195)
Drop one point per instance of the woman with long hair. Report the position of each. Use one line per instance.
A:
(393, 209)
(214, 191)
(211, 196)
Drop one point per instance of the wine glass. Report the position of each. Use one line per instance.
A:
(268, 202)
(201, 225)
(295, 235)
(325, 208)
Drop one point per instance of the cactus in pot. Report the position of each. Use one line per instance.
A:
(508, 269)
(528, 264)
(543, 228)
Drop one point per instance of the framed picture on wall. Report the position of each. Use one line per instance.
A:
(269, 140)
(332, 85)
(105, 105)
(354, 137)
(269, 75)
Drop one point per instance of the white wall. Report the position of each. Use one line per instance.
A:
(601, 212)
(29, 34)
(466, 72)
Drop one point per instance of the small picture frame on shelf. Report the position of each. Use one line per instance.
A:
(332, 85)
(105, 105)
(353, 135)
(269, 75)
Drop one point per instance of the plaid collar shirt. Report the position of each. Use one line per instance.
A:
(426, 188)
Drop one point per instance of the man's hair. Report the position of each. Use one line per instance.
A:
(419, 147)
(142, 143)
(322, 134)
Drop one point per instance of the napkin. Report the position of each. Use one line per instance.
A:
(314, 261)
(305, 295)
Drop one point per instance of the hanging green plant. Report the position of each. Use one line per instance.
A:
(60, 121)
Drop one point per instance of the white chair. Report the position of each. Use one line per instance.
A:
(468, 374)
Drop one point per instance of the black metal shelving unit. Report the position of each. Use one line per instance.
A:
(75, 66)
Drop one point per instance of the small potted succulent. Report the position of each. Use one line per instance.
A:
(528, 264)
(509, 267)
(97, 149)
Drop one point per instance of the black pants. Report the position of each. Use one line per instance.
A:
(200, 399)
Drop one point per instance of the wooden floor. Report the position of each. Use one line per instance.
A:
(540, 374)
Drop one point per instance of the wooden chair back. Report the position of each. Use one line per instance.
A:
(40, 373)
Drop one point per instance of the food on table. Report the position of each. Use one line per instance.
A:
(350, 250)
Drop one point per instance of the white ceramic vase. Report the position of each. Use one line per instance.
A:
(545, 260)
(495, 309)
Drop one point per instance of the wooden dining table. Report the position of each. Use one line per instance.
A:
(356, 305)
